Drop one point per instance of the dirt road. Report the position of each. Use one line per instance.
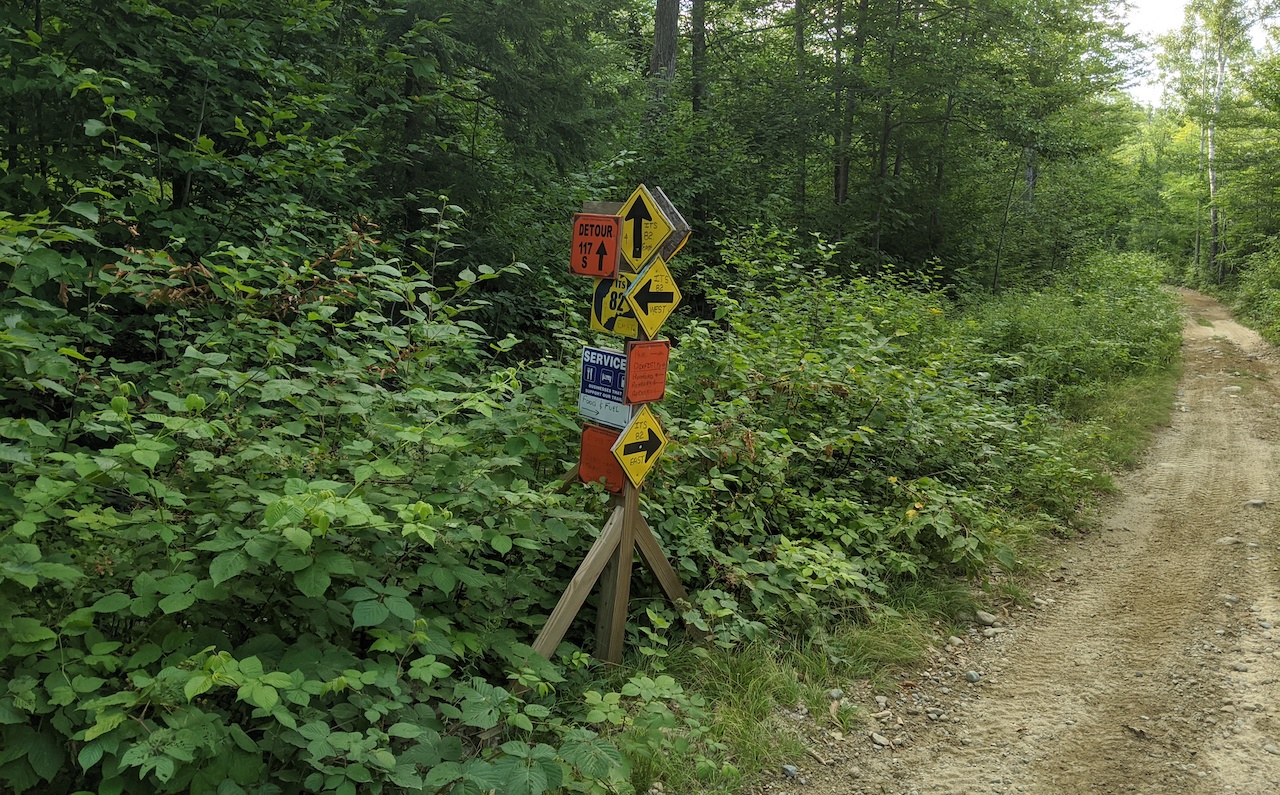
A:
(1149, 662)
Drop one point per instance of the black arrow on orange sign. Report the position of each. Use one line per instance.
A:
(646, 296)
(601, 253)
(649, 446)
(637, 215)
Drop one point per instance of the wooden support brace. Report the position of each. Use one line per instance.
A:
(580, 586)
(656, 561)
(567, 480)
(615, 592)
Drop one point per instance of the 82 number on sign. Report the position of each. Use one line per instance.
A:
(610, 310)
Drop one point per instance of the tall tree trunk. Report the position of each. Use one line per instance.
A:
(1031, 175)
(939, 178)
(847, 98)
(698, 65)
(882, 171)
(666, 31)
(802, 132)
(1215, 266)
(886, 139)
(1199, 181)
(935, 233)
(698, 74)
(1004, 225)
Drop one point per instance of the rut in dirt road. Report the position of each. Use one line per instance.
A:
(1150, 663)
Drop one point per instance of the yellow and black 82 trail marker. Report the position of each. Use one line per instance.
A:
(610, 310)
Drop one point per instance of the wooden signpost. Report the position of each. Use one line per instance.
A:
(632, 301)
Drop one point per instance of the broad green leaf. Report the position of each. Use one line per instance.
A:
(526, 777)
(369, 614)
(11, 454)
(313, 581)
(251, 667)
(482, 714)
(177, 602)
(227, 565)
(58, 571)
(298, 536)
(90, 755)
(406, 730)
(46, 754)
(86, 684)
(315, 730)
(86, 210)
(400, 608)
(263, 695)
(112, 603)
(520, 721)
(278, 679)
(148, 458)
(442, 774)
(388, 469)
(198, 684)
(106, 722)
(443, 579)
(29, 630)
(594, 756)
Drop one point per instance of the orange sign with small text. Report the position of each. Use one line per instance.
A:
(646, 371)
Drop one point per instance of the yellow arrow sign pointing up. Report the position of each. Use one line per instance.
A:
(644, 228)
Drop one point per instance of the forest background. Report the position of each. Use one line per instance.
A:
(289, 350)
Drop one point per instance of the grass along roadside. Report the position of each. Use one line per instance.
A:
(767, 698)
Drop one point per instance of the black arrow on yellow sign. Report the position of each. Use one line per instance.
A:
(649, 447)
(637, 215)
(646, 295)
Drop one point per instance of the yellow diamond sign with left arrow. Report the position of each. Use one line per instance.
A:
(639, 445)
(644, 228)
(653, 296)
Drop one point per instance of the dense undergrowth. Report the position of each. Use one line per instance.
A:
(1256, 293)
(278, 521)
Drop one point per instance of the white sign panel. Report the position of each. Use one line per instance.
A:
(600, 396)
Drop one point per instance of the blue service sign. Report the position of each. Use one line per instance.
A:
(600, 396)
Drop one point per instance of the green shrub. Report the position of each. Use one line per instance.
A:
(279, 519)
(274, 524)
(1258, 294)
(1100, 322)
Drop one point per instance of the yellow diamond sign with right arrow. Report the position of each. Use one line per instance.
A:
(639, 445)
(644, 228)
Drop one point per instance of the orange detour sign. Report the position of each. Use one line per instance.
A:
(597, 462)
(646, 371)
(639, 446)
(597, 241)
